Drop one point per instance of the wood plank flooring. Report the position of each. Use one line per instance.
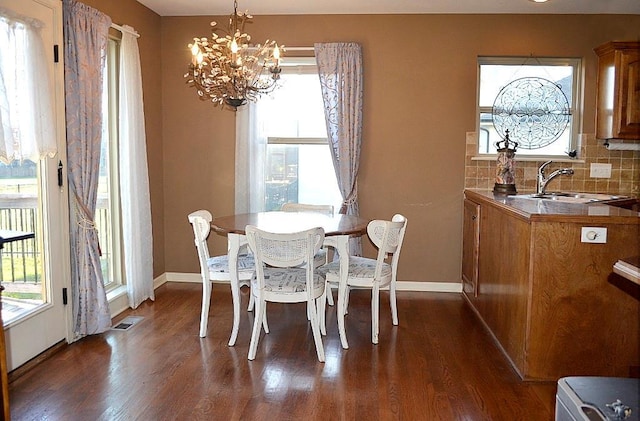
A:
(438, 364)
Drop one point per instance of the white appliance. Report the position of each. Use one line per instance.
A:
(598, 398)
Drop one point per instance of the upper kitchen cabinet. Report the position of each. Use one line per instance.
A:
(618, 107)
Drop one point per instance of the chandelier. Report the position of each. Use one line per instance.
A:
(227, 69)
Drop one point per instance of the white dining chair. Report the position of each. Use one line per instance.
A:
(215, 268)
(322, 256)
(373, 274)
(285, 273)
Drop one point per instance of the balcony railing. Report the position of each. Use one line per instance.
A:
(22, 260)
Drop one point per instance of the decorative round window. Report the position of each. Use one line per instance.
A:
(534, 110)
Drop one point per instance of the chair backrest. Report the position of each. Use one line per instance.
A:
(201, 223)
(387, 237)
(303, 207)
(284, 250)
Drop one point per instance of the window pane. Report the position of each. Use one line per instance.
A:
(496, 73)
(21, 273)
(295, 109)
(495, 77)
(300, 174)
(297, 172)
(107, 222)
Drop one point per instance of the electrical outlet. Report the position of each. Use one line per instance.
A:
(600, 171)
(593, 235)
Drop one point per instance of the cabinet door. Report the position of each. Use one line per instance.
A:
(470, 243)
(618, 99)
(629, 102)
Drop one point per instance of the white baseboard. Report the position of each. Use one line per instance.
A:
(119, 301)
(401, 285)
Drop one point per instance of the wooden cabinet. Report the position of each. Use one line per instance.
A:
(471, 234)
(548, 298)
(618, 97)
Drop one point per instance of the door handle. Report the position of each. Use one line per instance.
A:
(60, 173)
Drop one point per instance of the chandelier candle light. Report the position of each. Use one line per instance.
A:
(228, 70)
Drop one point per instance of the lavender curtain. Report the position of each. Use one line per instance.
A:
(85, 38)
(340, 71)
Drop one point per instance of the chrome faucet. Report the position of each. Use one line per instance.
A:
(544, 180)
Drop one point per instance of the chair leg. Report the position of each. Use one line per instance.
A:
(265, 325)
(235, 294)
(375, 313)
(329, 293)
(346, 300)
(257, 324)
(252, 304)
(340, 316)
(394, 306)
(252, 301)
(206, 300)
(321, 305)
(315, 327)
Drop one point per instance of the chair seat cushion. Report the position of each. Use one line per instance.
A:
(361, 271)
(220, 264)
(289, 281)
(320, 258)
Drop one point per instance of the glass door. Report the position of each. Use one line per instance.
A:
(35, 270)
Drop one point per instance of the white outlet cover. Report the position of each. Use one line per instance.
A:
(596, 235)
(600, 170)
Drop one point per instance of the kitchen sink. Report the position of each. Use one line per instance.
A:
(573, 197)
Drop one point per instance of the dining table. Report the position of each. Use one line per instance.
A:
(338, 228)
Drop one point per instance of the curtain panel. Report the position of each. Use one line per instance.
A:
(251, 155)
(85, 38)
(27, 129)
(341, 81)
(134, 178)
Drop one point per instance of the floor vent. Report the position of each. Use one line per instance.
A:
(127, 323)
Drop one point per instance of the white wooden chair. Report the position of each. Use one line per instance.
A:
(374, 274)
(285, 273)
(215, 268)
(322, 256)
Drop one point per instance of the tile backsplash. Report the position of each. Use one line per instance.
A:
(625, 170)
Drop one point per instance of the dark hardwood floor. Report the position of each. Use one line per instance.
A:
(438, 364)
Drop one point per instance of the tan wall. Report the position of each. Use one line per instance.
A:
(147, 24)
(420, 84)
(419, 101)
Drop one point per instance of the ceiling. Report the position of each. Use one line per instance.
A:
(297, 7)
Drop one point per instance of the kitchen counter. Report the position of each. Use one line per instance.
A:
(538, 272)
(549, 210)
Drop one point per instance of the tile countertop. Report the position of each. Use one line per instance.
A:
(548, 210)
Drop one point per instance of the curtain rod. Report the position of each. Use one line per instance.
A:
(123, 29)
(299, 48)
(291, 48)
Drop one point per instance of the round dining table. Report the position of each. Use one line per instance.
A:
(338, 229)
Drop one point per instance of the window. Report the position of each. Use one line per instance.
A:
(497, 72)
(299, 166)
(108, 204)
